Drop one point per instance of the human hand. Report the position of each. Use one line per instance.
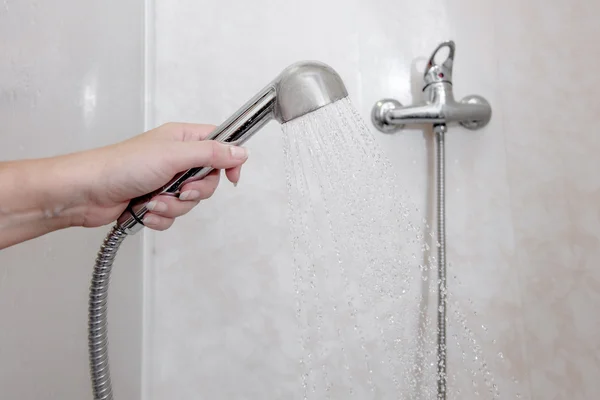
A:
(145, 163)
(92, 188)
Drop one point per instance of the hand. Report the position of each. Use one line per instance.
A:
(92, 188)
(147, 162)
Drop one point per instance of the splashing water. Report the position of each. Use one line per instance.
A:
(362, 269)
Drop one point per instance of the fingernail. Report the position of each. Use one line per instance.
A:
(235, 184)
(150, 219)
(156, 206)
(238, 152)
(189, 195)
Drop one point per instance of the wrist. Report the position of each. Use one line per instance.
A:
(43, 192)
(63, 190)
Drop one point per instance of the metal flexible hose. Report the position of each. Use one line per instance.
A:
(97, 315)
(440, 131)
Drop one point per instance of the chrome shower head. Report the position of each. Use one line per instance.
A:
(305, 87)
(300, 89)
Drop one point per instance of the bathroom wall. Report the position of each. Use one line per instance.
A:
(522, 201)
(71, 78)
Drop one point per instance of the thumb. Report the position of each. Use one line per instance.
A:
(207, 153)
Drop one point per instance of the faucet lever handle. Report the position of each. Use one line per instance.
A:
(435, 73)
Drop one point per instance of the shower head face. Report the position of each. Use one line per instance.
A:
(305, 87)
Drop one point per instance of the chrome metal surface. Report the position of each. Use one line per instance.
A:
(300, 89)
(379, 112)
(305, 87)
(440, 107)
(482, 117)
(440, 132)
(98, 313)
(435, 73)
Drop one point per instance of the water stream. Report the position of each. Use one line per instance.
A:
(363, 269)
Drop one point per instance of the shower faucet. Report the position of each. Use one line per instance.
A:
(440, 107)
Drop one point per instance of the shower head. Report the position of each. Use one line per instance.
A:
(300, 89)
(305, 87)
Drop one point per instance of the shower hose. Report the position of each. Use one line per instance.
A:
(98, 301)
(97, 315)
(440, 131)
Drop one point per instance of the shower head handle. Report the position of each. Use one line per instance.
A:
(236, 130)
(300, 89)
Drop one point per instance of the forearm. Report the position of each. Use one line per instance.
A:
(37, 197)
